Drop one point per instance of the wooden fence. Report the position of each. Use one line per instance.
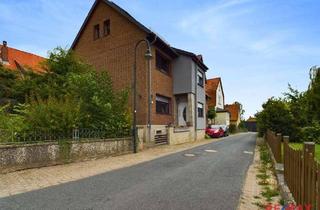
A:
(301, 171)
(274, 141)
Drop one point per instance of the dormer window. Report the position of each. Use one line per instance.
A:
(106, 27)
(96, 32)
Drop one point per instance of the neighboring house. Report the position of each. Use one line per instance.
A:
(189, 75)
(215, 99)
(235, 112)
(107, 40)
(214, 90)
(15, 59)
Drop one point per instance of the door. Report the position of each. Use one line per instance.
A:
(182, 113)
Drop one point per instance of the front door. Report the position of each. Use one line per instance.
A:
(182, 113)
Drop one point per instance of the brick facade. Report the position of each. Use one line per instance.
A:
(115, 53)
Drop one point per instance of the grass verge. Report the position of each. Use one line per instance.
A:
(269, 189)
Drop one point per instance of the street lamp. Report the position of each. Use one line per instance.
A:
(148, 56)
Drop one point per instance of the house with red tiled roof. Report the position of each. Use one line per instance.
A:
(15, 59)
(235, 112)
(215, 99)
(214, 91)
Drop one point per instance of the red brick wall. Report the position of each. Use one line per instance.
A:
(163, 85)
(115, 54)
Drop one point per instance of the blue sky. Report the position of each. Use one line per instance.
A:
(256, 46)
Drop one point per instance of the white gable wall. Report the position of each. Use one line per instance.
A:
(219, 99)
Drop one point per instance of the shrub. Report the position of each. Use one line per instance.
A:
(52, 114)
(242, 127)
(10, 124)
(72, 94)
(211, 115)
(311, 133)
(232, 128)
(275, 116)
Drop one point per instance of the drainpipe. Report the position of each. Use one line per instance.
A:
(149, 100)
(195, 102)
(150, 96)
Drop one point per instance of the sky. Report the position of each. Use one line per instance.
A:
(257, 47)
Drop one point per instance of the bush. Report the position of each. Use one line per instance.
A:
(72, 94)
(52, 114)
(311, 133)
(242, 127)
(275, 116)
(232, 128)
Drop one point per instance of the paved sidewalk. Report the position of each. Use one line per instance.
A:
(251, 187)
(34, 179)
(251, 197)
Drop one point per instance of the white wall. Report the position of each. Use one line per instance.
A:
(219, 99)
(200, 97)
(222, 118)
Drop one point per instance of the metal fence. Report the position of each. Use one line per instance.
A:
(14, 137)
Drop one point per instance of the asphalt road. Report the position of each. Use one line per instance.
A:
(210, 179)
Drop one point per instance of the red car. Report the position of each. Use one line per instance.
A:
(215, 131)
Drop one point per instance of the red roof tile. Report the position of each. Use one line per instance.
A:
(24, 59)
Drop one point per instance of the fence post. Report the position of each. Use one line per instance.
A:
(308, 150)
(75, 134)
(285, 154)
(278, 147)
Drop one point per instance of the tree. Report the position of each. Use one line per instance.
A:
(7, 82)
(71, 94)
(211, 113)
(298, 105)
(275, 116)
(297, 114)
(313, 95)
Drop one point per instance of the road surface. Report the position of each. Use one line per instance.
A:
(205, 177)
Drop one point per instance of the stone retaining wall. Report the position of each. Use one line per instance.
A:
(24, 156)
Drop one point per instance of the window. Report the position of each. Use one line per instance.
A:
(96, 32)
(200, 78)
(106, 27)
(162, 104)
(162, 63)
(200, 109)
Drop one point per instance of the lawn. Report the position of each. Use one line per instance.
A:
(300, 145)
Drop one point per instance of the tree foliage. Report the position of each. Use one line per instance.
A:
(275, 116)
(71, 94)
(296, 115)
(211, 113)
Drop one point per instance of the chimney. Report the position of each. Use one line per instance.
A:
(4, 52)
(200, 58)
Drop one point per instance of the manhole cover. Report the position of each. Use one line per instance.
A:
(210, 150)
(247, 152)
(189, 155)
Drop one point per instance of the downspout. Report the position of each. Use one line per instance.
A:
(195, 102)
(150, 96)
